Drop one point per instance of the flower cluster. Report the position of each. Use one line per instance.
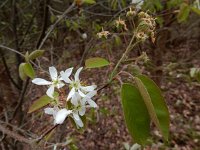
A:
(131, 12)
(146, 26)
(103, 34)
(121, 24)
(75, 103)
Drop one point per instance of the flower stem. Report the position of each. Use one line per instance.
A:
(129, 47)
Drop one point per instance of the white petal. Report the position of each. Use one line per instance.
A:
(82, 111)
(65, 77)
(40, 81)
(53, 73)
(88, 88)
(50, 91)
(77, 74)
(91, 94)
(75, 99)
(76, 116)
(61, 115)
(71, 93)
(92, 103)
(81, 93)
(83, 101)
(60, 85)
(56, 109)
(79, 123)
(68, 72)
(49, 111)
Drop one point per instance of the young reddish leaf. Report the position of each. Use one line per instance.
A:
(135, 113)
(41, 102)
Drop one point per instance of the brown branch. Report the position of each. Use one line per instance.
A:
(25, 85)
(21, 98)
(54, 25)
(16, 136)
(45, 23)
(14, 28)
(8, 71)
(47, 132)
(28, 29)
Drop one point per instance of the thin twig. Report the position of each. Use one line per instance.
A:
(47, 132)
(15, 135)
(44, 25)
(8, 71)
(87, 48)
(15, 34)
(10, 49)
(129, 47)
(21, 98)
(54, 25)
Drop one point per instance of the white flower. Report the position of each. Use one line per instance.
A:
(58, 115)
(76, 83)
(78, 121)
(79, 110)
(61, 115)
(56, 81)
(88, 99)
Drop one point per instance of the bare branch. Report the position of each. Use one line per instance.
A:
(14, 135)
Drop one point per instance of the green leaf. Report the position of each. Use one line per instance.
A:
(27, 56)
(135, 113)
(196, 10)
(173, 3)
(118, 40)
(158, 4)
(89, 1)
(155, 103)
(96, 62)
(183, 13)
(28, 70)
(41, 102)
(22, 74)
(35, 54)
(50, 135)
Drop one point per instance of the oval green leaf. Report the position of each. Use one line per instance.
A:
(183, 13)
(41, 102)
(22, 74)
(28, 70)
(35, 54)
(89, 1)
(155, 103)
(96, 62)
(135, 113)
(196, 10)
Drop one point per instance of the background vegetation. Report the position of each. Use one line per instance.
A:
(67, 31)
